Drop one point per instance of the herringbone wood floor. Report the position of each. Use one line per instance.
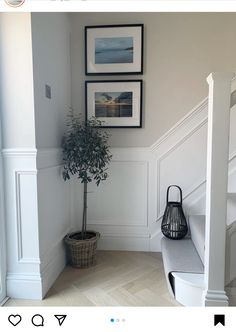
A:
(120, 278)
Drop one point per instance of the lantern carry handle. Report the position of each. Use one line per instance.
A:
(180, 193)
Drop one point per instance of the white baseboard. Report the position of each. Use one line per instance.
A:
(155, 241)
(36, 286)
(21, 286)
(124, 242)
(231, 293)
(54, 268)
(231, 288)
(215, 299)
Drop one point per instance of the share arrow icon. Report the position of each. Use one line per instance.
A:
(60, 319)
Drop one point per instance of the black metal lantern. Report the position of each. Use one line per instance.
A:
(174, 224)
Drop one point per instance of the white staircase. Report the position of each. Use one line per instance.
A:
(212, 239)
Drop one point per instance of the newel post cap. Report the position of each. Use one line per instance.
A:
(219, 76)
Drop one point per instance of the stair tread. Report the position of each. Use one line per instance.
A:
(231, 194)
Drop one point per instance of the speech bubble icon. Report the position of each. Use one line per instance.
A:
(37, 320)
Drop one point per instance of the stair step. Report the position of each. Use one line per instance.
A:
(188, 288)
(231, 207)
(197, 230)
(231, 195)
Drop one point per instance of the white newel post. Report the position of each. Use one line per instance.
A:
(216, 189)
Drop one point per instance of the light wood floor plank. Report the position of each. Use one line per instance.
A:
(119, 278)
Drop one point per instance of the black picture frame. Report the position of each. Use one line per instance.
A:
(126, 47)
(117, 103)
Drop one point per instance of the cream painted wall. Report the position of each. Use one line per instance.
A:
(51, 61)
(180, 50)
(17, 97)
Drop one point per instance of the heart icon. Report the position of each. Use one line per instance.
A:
(14, 319)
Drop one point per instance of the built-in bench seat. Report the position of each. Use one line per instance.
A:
(183, 265)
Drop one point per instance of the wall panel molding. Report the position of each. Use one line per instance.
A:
(55, 214)
(123, 199)
(25, 217)
(19, 153)
(21, 201)
(180, 131)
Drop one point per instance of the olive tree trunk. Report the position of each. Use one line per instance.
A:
(85, 207)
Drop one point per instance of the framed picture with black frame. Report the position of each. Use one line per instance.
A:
(114, 49)
(118, 104)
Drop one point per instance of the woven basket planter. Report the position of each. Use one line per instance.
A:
(81, 253)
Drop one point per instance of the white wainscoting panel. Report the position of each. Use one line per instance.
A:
(119, 207)
(185, 165)
(23, 261)
(54, 209)
(55, 221)
(38, 214)
(123, 198)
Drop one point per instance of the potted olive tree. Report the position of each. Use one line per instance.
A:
(85, 155)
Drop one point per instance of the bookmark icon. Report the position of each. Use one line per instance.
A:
(60, 319)
(219, 319)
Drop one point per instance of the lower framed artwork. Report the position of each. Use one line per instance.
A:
(118, 104)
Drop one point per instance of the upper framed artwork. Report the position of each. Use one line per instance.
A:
(114, 49)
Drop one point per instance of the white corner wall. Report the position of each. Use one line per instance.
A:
(19, 155)
(54, 213)
(51, 66)
(34, 51)
(3, 254)
(17, 97)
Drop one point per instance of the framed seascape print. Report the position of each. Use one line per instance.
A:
(114, 49)
(118, 104)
